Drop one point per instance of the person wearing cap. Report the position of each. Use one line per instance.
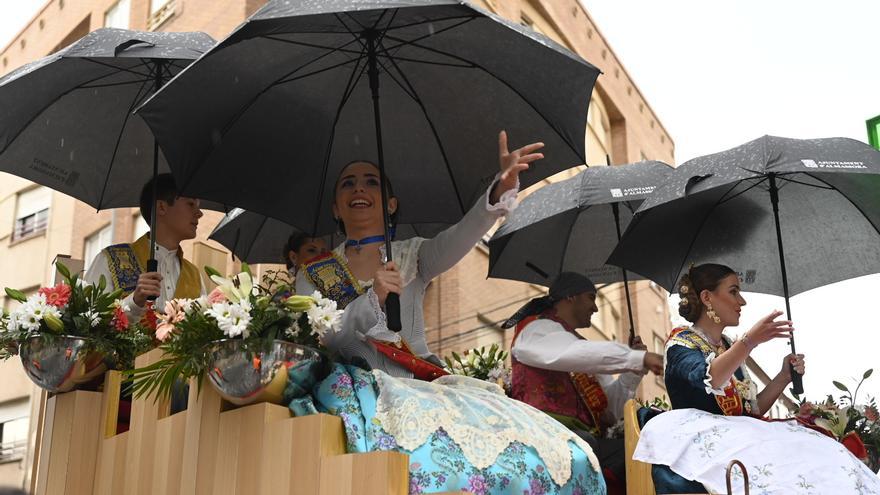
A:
(571, 378)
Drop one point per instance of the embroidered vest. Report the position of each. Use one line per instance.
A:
(128, 261)
(731, 403)
(576, 395)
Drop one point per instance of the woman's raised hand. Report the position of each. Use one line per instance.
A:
(512, 163)
(768, 328)
(387, 279)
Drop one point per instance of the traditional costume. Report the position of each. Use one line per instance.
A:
(460, 433)
(122, 264)
(711, 426)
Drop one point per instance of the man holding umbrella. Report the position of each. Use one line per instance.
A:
(566, 376)
(124, 265)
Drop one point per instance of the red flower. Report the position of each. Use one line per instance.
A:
(855, 445)
(120, 320)
(149, 319)
(871, 414)
(57, 296)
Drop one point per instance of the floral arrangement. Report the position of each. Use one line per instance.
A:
(237, 308)
(77, 309)
(482, 364)
(854, 425)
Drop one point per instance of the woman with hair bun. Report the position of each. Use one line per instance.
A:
(717, 407)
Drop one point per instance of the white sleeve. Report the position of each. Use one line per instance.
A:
(101, 266)
(544, 344)
(618, 391)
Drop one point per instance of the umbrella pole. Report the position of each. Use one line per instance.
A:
(797, 385)
(152, 263)
(629, 310)
(392, 301)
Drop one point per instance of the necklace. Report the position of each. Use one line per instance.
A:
(358, 244)
(699, 331)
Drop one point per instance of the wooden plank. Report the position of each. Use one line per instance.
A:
(372, 473)
(168, 458)
(294, 449)
(638, 474)
(110, 476)
(240, 452)
(142, 436)
(110, 402)
(70, 443)
(200, 440)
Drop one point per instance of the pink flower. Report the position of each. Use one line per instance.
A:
(164, 330)
(174, 313)
(806, 410)
(57, 296)
(216, 296)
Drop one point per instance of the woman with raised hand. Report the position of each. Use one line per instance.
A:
(717, 408)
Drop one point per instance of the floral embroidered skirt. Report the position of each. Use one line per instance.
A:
(781, 457)
(438, 463)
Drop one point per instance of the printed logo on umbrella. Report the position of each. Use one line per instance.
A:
(833, 164)
(632, 191)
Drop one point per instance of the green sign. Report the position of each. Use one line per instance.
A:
(874, 132)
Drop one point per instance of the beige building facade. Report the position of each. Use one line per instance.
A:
(462, 308)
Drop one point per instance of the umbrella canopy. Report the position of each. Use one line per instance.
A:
(256, 238)
(719, 208)
(573, 225)
(66, 121)
(287, 100)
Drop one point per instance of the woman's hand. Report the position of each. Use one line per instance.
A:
(387, 279)
(512, 163)
(796, 361)
(768, 329)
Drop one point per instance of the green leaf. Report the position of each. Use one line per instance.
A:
(102, 283)
(840, 386)
(16, 294)
(868, 374)
(62, 269)
(211, 271)
(246, 268)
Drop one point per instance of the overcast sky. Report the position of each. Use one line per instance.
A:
(722, 73)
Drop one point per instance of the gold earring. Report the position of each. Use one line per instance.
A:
(711, 313)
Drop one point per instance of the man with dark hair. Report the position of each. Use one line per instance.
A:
(570, 378)
(124, 265)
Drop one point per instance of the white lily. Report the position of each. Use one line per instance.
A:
(837, 424)
(236, 289)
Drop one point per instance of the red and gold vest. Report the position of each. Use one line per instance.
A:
(576, 395)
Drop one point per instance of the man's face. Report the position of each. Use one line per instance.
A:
(584, 308)
(181, 219)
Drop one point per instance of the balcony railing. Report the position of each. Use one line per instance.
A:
(13, 450)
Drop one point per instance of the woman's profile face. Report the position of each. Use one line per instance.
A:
(727, 301)
(359, 196)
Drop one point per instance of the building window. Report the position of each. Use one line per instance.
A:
(95, 243)
(32, 212)
(118, 15)
(14, 419)
(157, 5)
(160, 11)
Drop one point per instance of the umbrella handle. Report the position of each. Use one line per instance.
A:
(392, 311)
(797, 381)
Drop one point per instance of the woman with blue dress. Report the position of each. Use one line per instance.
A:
(460, 433)
(717, 408)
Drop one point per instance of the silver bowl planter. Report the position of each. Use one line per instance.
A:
(247, 376)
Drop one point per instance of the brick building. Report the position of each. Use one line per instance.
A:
(462, 307)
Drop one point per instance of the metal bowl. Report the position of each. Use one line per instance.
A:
(247, 376)
(60, 364)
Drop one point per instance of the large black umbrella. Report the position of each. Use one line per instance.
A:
(66, 119)
(573, 225)
(789, 214)
(256, 238)
(304, 87)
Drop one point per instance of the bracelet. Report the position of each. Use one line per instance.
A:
(748, 342)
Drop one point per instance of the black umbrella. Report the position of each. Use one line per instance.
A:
(789, 214)
(294, 94)
(67, 118)
(573, 225)
(256, 238)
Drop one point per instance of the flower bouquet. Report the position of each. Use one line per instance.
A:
(482, 364)
(856, 426)
(69, 334)
(243, 337)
